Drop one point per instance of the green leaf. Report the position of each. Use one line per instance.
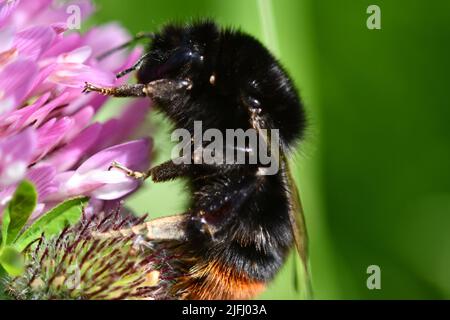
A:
(12, 261)
(18, 211)
(53, 222)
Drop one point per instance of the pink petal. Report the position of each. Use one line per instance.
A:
(105, 37)
(117, 130)
(93, 177)
(44, 12)
(68, 43)
(42, 70)
(37, 86)
(97, 101)
(68, 156)
(27, 9)
(96, 184)
(38, 117)
(16, 120)
(12, 172)
(79, 103)
(6, 39)
(6, 196)
(6, 8)
(75, 75)
(59, 27)
(81, 119)
(79, 55)
(50, 135)
(113, 191)
(43, 178)
(34, 41)
(59, 13)
(134, 155)
(16, 79)
(15, 155)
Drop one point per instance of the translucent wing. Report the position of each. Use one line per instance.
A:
(297, 220)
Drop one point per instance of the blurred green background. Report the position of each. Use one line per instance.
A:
(374, 169)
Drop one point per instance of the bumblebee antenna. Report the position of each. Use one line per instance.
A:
(137, 37)
(136, 66)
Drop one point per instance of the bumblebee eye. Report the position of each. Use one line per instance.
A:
(176, 61)
(182, 57)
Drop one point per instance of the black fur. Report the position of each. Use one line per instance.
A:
(250, 212)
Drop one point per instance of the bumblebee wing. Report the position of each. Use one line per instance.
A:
(297, 220)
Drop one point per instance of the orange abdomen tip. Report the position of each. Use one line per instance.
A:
(215, 281)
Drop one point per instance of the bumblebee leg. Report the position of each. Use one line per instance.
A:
(163, 172)
(165, 228)
(172, 169)
(137, 37)
(127, 90)
(168, 171)
(165, 91)
(129, 172)
(162, 90)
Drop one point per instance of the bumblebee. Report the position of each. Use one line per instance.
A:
(240, 223)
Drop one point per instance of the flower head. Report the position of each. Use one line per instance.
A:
(76, 265)
(47, 129)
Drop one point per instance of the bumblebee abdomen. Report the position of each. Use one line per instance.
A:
(214, 281)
